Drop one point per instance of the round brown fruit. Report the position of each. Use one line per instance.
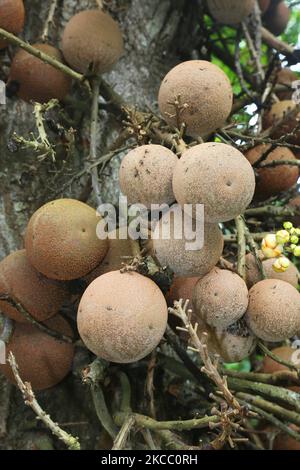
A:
(198, 94)
(232, 344)
(277, 18)
(185, 261)
(230, 11)
(284, 118)
(295, 204)
(61, 240)
(216, 175)
(182, 288)
(35, 80)
(273, 312)
(253, 274)
(40, 296)
(264, 5)
(284, 442)
(92, 40)
(285, 353)
(43, 360)
(12, 17)
(220, 298)
(146, 175)
(272, 181)
(120, 252)
(122, 316)
(285, 78)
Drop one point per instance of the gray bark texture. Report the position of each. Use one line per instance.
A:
(155, 33)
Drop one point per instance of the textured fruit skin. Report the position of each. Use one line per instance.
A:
(276, 114)
(220, 298)
(273, 312)
(286, 77)
(172, 252)
(216, 175)
(40, 296)
(61, 240)
(12, 17)
(272, 181)
(286, 353)
(119, 253)
(122, 316)
(38, 81)
(146, 174)
(253, 275)
(205, 90)
(92, 37)
(232, 344)
(43, 360)
(277, 18)
(230, 11)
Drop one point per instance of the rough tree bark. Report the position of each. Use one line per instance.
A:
(155, 32)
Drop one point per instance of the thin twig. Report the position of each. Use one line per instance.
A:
(241, 239)
(49, 21)
(71, 442)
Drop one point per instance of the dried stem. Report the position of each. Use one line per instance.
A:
(71, 442)
(49, 21)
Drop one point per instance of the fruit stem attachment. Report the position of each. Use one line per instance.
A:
(71, 442)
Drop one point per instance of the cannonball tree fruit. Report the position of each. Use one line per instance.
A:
(61, 240)
(43, 361)
(283, 441)
(271, 181)
(182, 288)
(36, 80)
(253, 274)
(285, 353)
(273, 312)
(232, 344)
(12, 17)
(264, 5)
(175, 252)
(92, 40)
(285, 78)
(284, 118)
(122, 316)
(277, 18)
(40, 296)
(146, 174)
(230, 12)
(216, 175)
(220, 298)
(198, 94)
(295, 204)
(120, 252)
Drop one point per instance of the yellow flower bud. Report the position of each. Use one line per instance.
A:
(298, 232)
(282, 237)
(287, 225)
(270, 247)
(281, 264)
(296, 251)
(294, 239)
